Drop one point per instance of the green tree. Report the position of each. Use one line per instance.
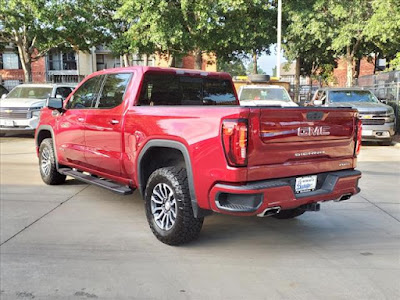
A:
(250, 69)
(384, 29)
(36, 27)
(175, 28)
(301, 43)
(235, 67)
(247, 29)
(171, 27)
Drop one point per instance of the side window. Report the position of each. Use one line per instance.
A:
(320, 95)
(323, 98)
(86, 95)
(317, 95)
(63, 92)
(113, 91)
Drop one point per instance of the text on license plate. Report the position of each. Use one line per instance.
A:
(305, 184)
(7, 123)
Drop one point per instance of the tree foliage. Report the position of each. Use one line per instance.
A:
(39, 26)
(320, 30)
(235, 67)
(226, 28)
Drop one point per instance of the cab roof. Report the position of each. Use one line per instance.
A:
(178, 71)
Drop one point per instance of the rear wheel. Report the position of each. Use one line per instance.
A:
(168, 207)
(48, 165)
(289, 213)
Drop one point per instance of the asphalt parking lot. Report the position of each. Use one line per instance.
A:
(82, 242)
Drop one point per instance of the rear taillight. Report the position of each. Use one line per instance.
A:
(359, 136)
(234, 139)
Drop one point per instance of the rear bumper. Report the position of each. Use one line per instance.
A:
(254, 198)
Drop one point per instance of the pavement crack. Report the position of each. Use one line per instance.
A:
(380, 208)
(41, 217)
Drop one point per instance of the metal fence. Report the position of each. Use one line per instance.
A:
(11, 79)
(386, 87)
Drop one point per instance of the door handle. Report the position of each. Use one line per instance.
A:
(114, 122)
(81, 119)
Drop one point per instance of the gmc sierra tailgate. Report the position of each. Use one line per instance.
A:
(292, 138)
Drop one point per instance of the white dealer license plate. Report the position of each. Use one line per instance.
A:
(305, 184)
(7, 123)
(367, 132)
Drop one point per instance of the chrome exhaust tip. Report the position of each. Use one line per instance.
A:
(270, 211)
(344, 197)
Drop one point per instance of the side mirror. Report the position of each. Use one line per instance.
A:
(3, 96)
(317, 102)
(55, 103)
(384, 101)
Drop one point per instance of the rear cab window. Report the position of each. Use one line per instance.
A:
(170, 89)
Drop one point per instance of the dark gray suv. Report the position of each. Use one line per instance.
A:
(378, 119)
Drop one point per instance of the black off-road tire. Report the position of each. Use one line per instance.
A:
(186, 227)
(289, 213)
(51, 177)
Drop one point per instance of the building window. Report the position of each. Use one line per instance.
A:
(54, 61)
(69, 61)
(62, 61)
(10, 61)
(100, 62)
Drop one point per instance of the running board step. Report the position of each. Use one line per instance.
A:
(104, 183)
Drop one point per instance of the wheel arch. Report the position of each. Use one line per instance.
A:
(171, 150)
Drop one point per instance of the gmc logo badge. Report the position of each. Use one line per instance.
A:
(313, 131)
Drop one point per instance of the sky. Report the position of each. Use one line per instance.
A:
(268, 62)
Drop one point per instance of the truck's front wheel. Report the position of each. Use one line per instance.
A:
(168, 207)
(48, 165)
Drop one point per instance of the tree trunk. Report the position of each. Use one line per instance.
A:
(171, 61)
(255, 67)
(198, 60)
(357, 70)
(26, 61)
(349, 61)
(126, 60)
(297, 81)
(146, 59)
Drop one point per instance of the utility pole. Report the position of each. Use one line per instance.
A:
(279, 38)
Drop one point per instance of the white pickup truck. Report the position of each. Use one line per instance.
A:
(265, 95)
(20, 108)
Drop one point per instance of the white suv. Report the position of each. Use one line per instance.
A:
(20, 108)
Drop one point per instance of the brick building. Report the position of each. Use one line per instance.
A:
(11, 72)
(73, 66)
(340, 73)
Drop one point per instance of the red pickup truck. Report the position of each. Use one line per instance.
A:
(182, 139)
